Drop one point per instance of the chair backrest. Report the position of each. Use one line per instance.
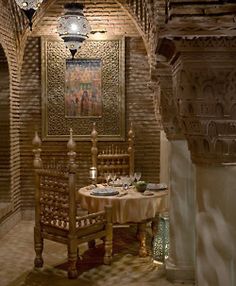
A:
(55, 196)
(113, 158)
(56, 210)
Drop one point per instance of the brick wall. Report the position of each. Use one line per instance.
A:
(139, 108)
(8, 42)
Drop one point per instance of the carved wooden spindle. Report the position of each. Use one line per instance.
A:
(94, 149)
(72, 244)
(123, 167)
(106, 165)
(138, 10)
(131, 149)
(38, 240)
(118, 161)
(112, 160)
(143, 14)
(134, 7)
(102, 166)
(37, 151)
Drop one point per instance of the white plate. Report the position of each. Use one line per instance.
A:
(104, 192)
(152, 186)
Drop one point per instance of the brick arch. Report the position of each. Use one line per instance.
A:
(10, 44)
(5, 194)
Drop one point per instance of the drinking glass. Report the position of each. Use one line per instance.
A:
(107, 177)
(125, 182)
(113, 177)
(137, 176)
(131, 179)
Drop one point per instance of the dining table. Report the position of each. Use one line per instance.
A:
(129, 206)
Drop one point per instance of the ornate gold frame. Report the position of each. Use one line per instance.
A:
(111, 126)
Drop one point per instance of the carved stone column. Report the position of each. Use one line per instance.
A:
(205, 88)
(180, 264)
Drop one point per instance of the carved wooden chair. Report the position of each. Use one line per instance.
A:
(113, 158)
(55, 211)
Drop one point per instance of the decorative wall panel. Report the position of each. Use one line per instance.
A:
(111, 123)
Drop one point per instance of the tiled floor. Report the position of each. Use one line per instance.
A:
(17, 254)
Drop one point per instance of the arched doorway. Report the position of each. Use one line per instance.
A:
(4, 134)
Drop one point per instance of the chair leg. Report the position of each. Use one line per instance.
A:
(91, 243)
(72, 259)
(108, 246)
(78, 258)
(38, 247)
(142, 239)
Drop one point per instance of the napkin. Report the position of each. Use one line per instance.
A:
(122, 194)
(147, 193)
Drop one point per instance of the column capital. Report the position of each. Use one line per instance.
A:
(164, 101)
(204, 83)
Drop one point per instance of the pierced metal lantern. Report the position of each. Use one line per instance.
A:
(73, 27)
(160, 245)
(29, 7)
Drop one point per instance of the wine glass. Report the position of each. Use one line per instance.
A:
(125, 182)
(107, 177)
(131, 179)
(137, 176)
(113, 177)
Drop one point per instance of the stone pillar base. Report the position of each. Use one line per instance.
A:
(179, 274)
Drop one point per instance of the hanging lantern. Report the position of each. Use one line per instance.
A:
(29, 7)
(73, 27)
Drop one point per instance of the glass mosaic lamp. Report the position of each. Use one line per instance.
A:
(73, 27)
(29, 7)
(160, 244)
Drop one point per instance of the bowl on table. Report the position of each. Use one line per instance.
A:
(141, 186)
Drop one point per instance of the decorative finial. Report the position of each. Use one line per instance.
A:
(131, 131)
(71, 145)
(37, 151)
(94, 131)
(36, 141)
(94, 149)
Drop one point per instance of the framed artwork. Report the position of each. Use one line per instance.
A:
(87, 89)
(83, 88)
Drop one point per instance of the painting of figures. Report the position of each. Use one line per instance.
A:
(83, 91)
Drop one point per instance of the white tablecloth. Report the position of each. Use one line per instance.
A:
(133, 207)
